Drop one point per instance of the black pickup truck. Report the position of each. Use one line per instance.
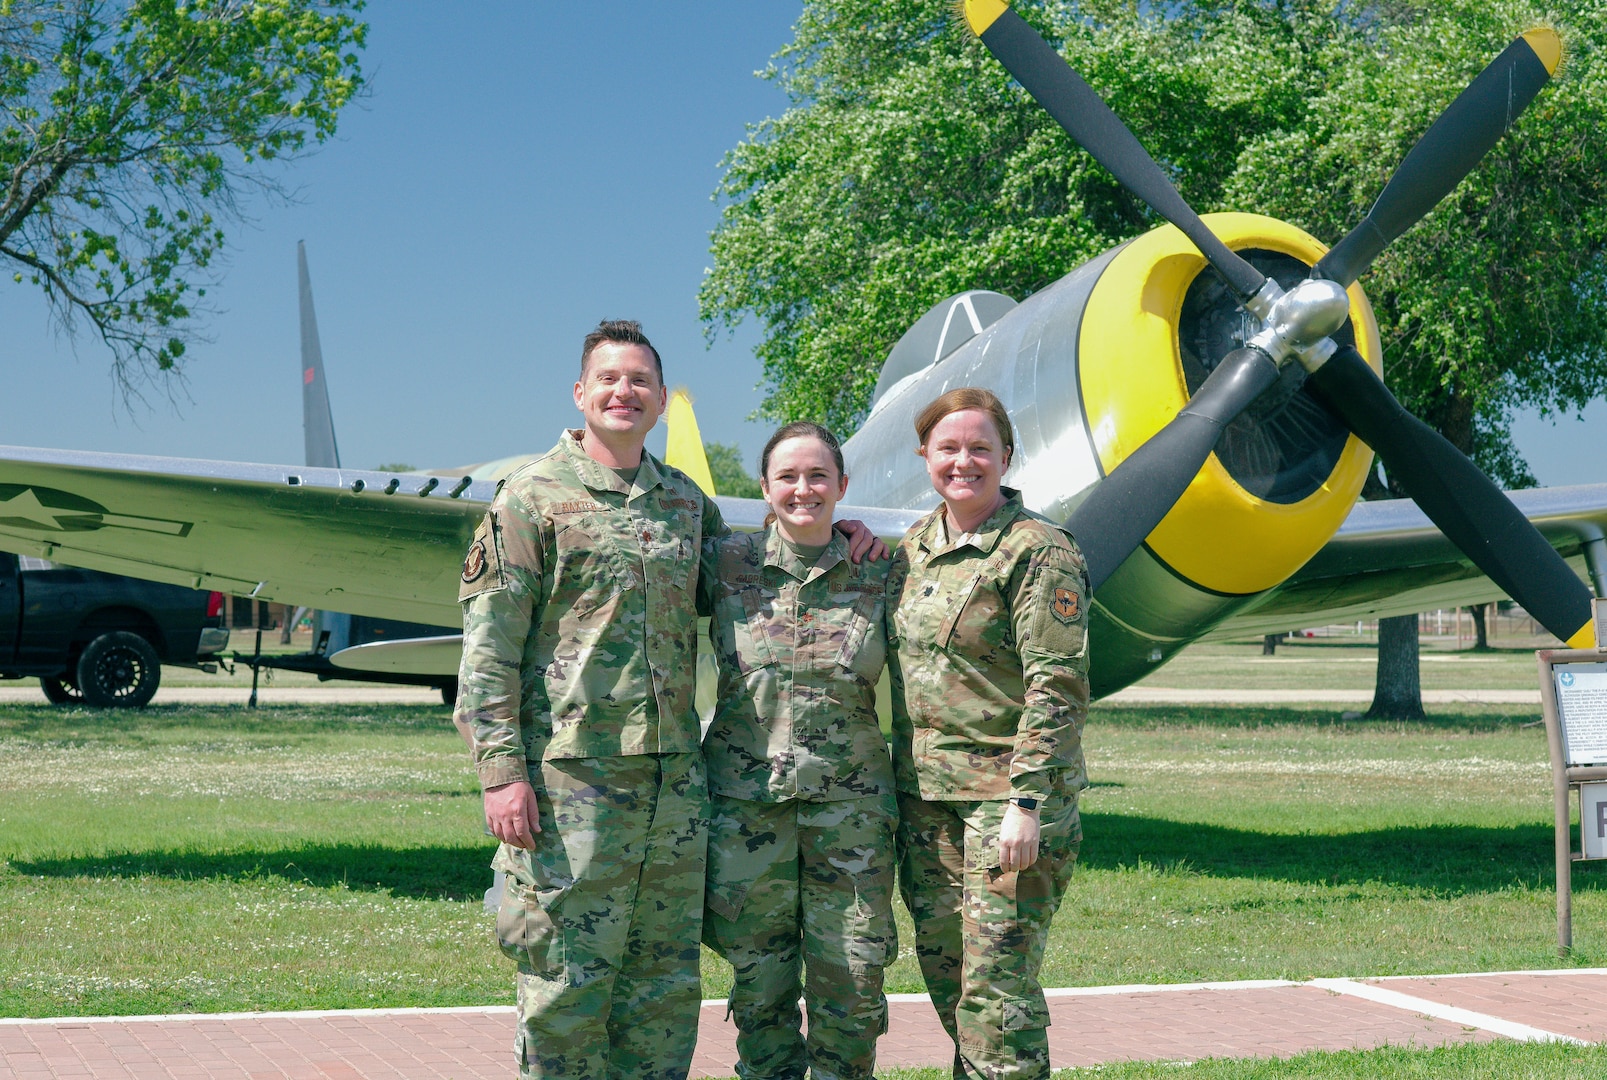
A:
(100, 639)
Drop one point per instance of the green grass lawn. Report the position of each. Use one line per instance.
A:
(203, 859)
(1482, 1061)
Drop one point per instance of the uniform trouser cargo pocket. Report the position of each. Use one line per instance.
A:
(1025, 1013)
(529, 928)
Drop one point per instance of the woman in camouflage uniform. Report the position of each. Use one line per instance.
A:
(990, 690)
(800, 871)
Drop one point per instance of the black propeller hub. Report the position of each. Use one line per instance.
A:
(1287, 442)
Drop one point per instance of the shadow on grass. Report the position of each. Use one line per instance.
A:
(1449, 860)
(421, 873)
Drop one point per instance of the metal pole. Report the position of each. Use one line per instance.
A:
(255, 667)
(1561, 800)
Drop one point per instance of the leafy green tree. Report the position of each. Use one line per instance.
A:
(730, 478)
(909, 167)
(131, 130)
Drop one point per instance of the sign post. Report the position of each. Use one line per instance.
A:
(1573, 699)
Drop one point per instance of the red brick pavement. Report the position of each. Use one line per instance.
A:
(1568, 1003)
(1091, 1025)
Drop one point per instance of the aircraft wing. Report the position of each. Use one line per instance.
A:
(371, 543)
(1389, 559)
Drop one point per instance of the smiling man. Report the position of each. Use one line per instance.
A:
(579, 651)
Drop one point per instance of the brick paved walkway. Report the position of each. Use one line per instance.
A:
(1091, 1025)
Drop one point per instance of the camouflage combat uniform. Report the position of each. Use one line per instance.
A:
(990, 691)
(579, 647)
(801, 844)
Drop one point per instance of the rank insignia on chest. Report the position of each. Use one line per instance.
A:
(474, 563)
(1064, 605)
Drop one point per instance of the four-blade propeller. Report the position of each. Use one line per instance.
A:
(1125, 507)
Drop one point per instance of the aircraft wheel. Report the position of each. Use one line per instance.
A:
(119, 670)
(61, 690)
(449, 694)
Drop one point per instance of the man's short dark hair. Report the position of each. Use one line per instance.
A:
(619, 332)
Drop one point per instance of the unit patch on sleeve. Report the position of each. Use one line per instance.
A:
(474, 563)
(1064, 605)
(482, 566)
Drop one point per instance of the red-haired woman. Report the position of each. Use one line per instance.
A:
(990, 691)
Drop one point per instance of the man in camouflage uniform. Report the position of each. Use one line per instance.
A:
(990, 692)
(801, 845)
(579, 652)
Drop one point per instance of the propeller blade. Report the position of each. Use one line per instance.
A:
(1469, 509)
(1088, 120)
(1447, 152)
(1132, 499)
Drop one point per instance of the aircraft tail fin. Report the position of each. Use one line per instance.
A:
(684, 444)
(318, 425)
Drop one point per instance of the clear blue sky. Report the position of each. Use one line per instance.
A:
(517, 172)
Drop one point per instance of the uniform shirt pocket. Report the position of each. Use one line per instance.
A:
(864, 650)
(751, 615)
(587, 571)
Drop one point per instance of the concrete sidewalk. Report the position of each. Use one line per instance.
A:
(1090, 1025)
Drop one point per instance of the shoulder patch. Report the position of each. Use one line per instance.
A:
(474, 563)
(1058, 599)
(1065, 604)
(482, 566)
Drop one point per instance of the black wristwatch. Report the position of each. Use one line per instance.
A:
(1024, 802)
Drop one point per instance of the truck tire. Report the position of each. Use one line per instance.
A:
(61, 690)
(119, 670)
(449, 694)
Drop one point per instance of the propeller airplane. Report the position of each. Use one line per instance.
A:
(1200, 406)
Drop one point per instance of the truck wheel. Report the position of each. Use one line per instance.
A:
(61, 690)
(449, 694)
(119, 670)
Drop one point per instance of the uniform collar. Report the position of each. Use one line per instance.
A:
(599, 477)
(984, 539)
(779, 555)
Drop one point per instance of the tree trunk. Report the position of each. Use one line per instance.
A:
(1397, 692)
(1479, 632)
(1269, 644)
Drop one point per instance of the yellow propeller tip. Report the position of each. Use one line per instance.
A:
(1547, 45)
(978, 15)
(1584, 638)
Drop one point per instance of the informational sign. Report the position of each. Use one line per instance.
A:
(1582, 708)
(1593, 820)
